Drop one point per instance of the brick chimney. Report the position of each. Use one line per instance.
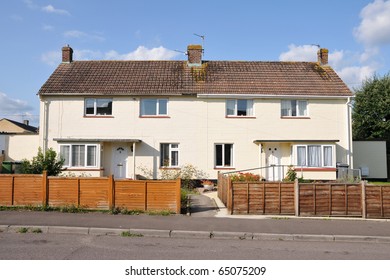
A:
(26, 122)
(322, 55)
(194, 53)
(67, 54)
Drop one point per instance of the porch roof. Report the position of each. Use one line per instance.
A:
(295, 141)
(126, 140)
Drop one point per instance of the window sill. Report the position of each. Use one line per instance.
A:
(99, 117)
(155, 117)
(83, 169)
(224, 168)
(295, 118)
(169, 168)
(240, 117)
(315, 169)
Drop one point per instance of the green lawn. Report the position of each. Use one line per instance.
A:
(379, 183)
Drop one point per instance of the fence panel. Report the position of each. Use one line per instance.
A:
(94, 193)
(160, 194)
(63, 191)
(6, 190)
(130, 194)
(28, 190)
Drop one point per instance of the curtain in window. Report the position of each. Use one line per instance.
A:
(302, 108)
(78, 155)
(230, 107)
(64, 154)
(314, 155)
(328, 161)
(91, 155)
(286, 108)
(164, 157)
(301, 156)
(249, 107)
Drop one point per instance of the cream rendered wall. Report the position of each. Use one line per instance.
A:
(21, 146)
(372, 155)
(196, 124)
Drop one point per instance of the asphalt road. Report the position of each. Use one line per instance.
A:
(40, 246)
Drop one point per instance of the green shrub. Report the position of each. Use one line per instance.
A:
(43, 161)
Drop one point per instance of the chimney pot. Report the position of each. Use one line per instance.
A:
(67, 54)
(194, 53)
(26, 122)
(323, 56)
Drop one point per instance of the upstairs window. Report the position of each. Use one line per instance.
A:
(98, 107)
(239, 107)
(294, 108)
(154, 107)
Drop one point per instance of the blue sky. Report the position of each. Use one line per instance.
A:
(32, 32)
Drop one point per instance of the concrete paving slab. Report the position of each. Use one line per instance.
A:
(105, 231)
(273, 237)
(73, 230)
(312, 237)
(232, 235)
(151, 232)
(190, 234)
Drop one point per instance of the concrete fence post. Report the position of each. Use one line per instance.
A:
(296, 197)
(364, 206)
(45, 188)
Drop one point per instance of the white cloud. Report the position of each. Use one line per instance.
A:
(374, 28)
(50, 9)
(353, 68)
(9, 106)
(143, 53)
(52, 58)
(82, 35)
(300, 53)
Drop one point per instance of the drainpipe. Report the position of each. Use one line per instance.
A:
(45, 125)
(349, 133)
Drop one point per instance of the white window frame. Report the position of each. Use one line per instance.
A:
(249, 108)
(223, 155)
(322, 155)
(171, 149)
(157, 104)
(289, 103)
(86, 145)
(95, 107)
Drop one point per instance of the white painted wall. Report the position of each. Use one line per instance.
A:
(196, 124)
(22, 146)
(371, 155)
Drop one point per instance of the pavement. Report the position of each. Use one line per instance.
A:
(208, 218)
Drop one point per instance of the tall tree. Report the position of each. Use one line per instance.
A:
(371, 112)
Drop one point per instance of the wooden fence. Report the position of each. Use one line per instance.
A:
(309, 199)
(89, 193)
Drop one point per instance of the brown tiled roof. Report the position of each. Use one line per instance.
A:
(176, 78)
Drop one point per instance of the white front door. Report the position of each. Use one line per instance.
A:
(119, 161)
(274, 172)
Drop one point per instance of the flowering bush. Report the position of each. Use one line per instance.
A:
(245, 177)
(207, 182)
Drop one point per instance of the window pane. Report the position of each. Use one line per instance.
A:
(149, 107)
(328, 156)
(286, 108)
(90, 106)
(230, 107)
(293, 108)
(164, 157)
(301, 156)
(302, 108)
(218, 155)
(91, 155)
(241, 107)
(104, 106)
(249, 107)
(175, 158)
(78, 155)
(162, 106)
(228, 155)
(64, 154)
(314, 155)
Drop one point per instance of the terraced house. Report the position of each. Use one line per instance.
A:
(113, 117)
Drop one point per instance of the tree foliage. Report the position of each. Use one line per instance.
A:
(371, 112)
(43, 161)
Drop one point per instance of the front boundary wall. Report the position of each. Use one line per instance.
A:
(100, 193)
(305, 199)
